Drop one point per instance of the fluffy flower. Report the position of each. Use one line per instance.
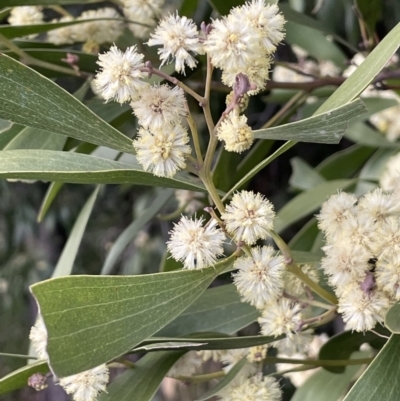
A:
(295, 343)
(283, 74)
(189, 200)
(257, 73)
(194, 245)
(178, 36)
(387, 274)
(159, 106)
(144, 8)
(280, 317)
(257, 353)
(142, 27)
(360, 310)
(260, 278)
(120, 75)
(390, 178)
(388, 122)
(238, 136)
(38, 336)
(65, 35)
(378, 205)
(206, 355)
(99, 32)
(25, 15)
(265, 18)
(162, 151)
(253, 389)
(86, 386)
(334, 211)
(249, 217)
(233, 45)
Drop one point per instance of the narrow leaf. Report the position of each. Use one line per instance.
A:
(93, 319)
(365, 73)
(381, 379)
(14, 3)
(303, 175)
(28, 98)
(392, 318)
(48, 165)
(131, 231)
(328, 127)
(68, 255)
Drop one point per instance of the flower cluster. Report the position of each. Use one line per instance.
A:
(26, 15)
(390, 177)
(84, 386)
(361, 254)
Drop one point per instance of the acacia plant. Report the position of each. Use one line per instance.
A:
(171, 132)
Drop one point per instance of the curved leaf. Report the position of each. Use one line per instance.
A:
(328, 127)
(28, 98)
(93, 319)
(49, 165)
(392, 318)
(303, 175)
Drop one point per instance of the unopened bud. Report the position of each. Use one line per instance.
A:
(37, 381)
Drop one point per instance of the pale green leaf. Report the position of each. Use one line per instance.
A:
(303, 175)
(381, 379)
(30, 99)
(87, 328)
(131, 231)
(19, 378)
(307, 202)
(323, 128)
(14, 3)
(365, 73)
(48, 165)
(9, 134)
(67, 258)
(392, 318)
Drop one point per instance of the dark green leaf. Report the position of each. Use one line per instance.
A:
(19, 378)
(223, 7)
(381, 379)
(142, 381)
(93, 319)
(374, 167)
(342, 345)
(131, 231)
(48, 165)
(305, 237)
(217, 309)
(371, 11)
(8, 135)
(323, 128)
(14, 3)
(392, 318)
(30, 99)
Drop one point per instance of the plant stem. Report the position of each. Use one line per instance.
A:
(17, 356)
(26, 58)
(293, 268)
(195, 136)
(212, 191)
(201, 378)
(319, 362)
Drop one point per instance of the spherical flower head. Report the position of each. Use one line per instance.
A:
(361, 311)
(25, 15)
(253, 389)
(99, 32)
(378, 205)
(235, 132)
(61, 36)
(265, 18)
(387, 274)
(390, 178)
(293, 344)
(159, 106)
(195, 245)
(142, 27)
(233, 45)
(257, 353)
(259, 279)
(38, 336)
(86, 386)
(386, 236)
(257, 73)
(120, 75)
(334, 211)
(280, 317)
(249, 217)
(178, 36)
(163, 151)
